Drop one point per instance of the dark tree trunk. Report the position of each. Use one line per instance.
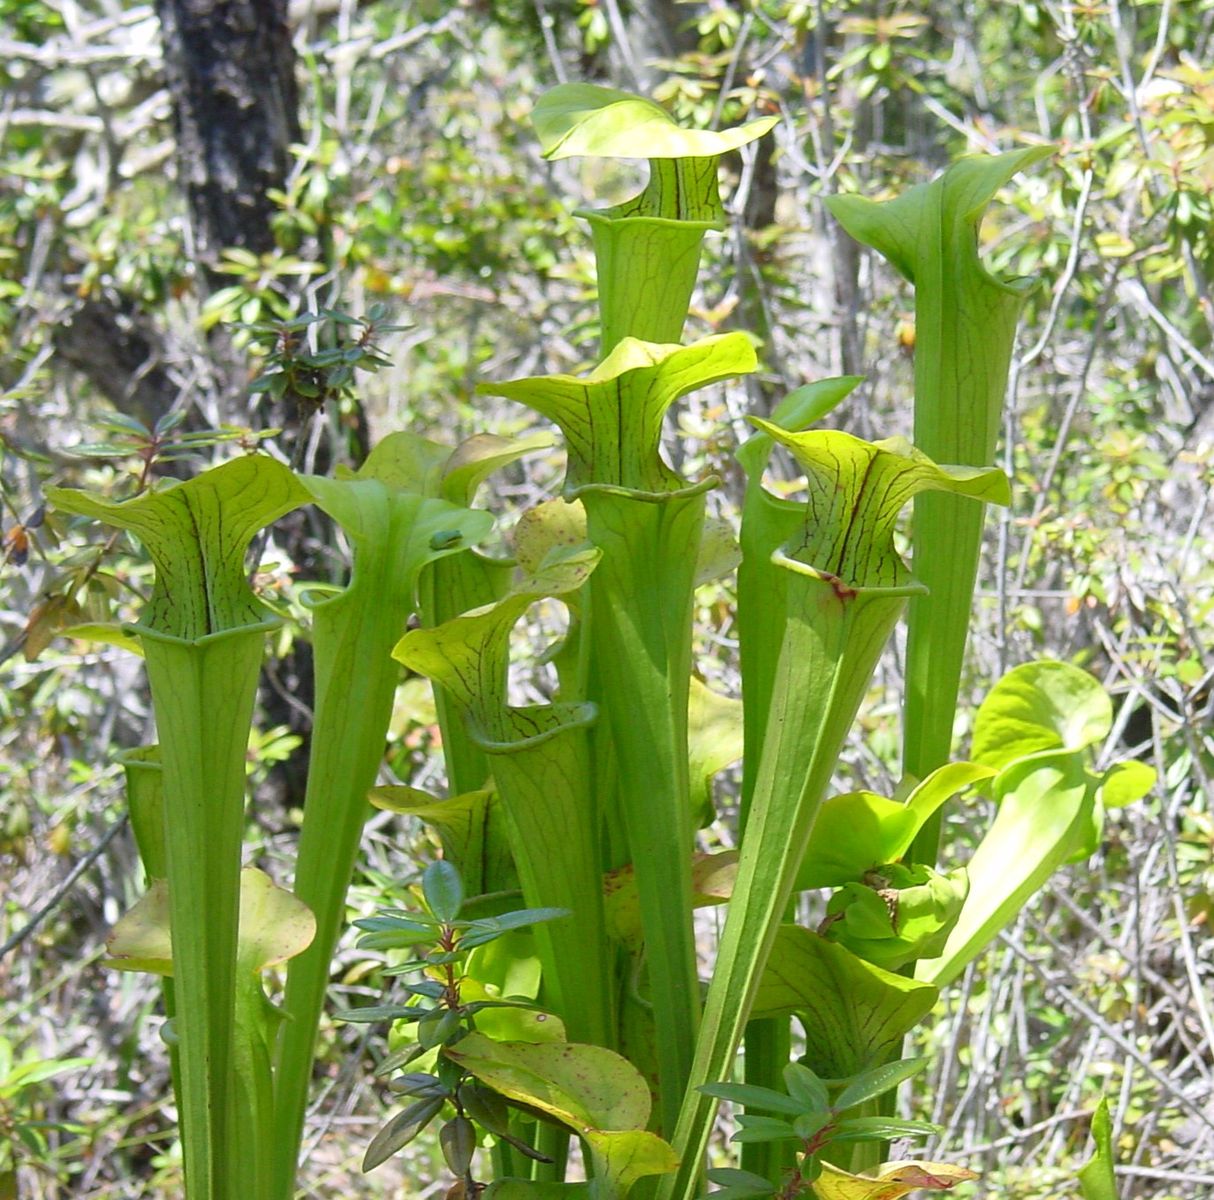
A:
(764, 187)
(230, 68)
(669, 27)
(120, 354)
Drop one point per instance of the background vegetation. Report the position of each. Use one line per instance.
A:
(378, 154)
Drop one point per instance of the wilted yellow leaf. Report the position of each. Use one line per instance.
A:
(891, 1182)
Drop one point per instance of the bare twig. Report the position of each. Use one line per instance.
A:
(57, 896)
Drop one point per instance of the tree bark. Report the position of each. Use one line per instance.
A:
(120, 354)
(230, 68)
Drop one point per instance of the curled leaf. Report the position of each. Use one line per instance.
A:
(712, 877)
(551, 526)
(1046, 805)
(197, 533)
(890, 1182)
(478, 457)
(897, 914)
(612, 418)
(856, 491)
(857, 831)
(714, 742)
(585, 119)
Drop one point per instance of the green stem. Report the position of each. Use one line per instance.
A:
(540, 763)
(253, 1135)
(203, 695)
(832, 640)
(393, 533)
(640, 631)
(541, 774)
(355, 685)
(450, 587)
(768, 1050)
(145, 799)
(553, 1142)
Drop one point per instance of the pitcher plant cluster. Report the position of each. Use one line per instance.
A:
(552, 992)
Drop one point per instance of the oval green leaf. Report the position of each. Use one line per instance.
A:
(1040, 706)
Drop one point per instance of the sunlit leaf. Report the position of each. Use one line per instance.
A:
(585, 119)
(857, 831)
(1125, 782)
(585, 1087)
(612, 418)
(714, 742)
(897, 914)
(1037, 707)
(1046, 805)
